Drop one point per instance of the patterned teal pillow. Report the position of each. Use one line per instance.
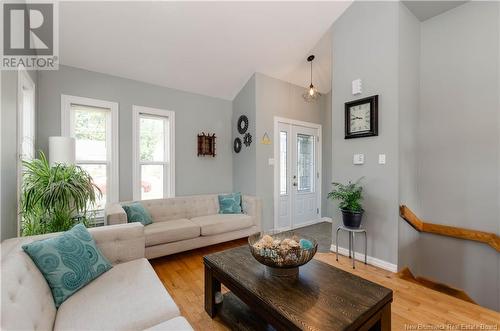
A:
(68, 262)
(230, 203)
(137, 213)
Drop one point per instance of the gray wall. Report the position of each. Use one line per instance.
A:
(365, 45)
(328, 206)
(459, 148)
(193, 114)
(409, 84)
(8, 193)
(244, 167)
(439, 115)
(277, 98)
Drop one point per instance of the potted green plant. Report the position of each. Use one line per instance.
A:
(349, 197)
(54, 198)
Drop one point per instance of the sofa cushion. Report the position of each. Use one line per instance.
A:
(27, 302)
(169, 231)
(182, 207)
(220, 223)
(175, 324)
(137, 213)
(128, 297)
(68, 262)
(120, 243)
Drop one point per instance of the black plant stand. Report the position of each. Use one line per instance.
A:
(351, 232)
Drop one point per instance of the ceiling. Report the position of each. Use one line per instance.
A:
(424, 10)
(210, 48)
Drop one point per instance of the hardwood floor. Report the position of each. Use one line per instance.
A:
(413, 306)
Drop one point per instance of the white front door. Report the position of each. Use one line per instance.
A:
(298, 176)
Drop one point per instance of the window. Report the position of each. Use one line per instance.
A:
(283, 162)
(153, 134)
(305, 162)
(25, 127)
(94, 125)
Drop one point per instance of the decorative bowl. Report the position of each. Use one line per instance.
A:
(282, 253)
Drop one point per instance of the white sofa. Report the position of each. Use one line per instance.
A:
(129, 296)
(184, 223)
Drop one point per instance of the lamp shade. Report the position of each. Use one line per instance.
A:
(61, 150)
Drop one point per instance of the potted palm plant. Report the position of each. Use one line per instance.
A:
(349, 197)
(54, 198)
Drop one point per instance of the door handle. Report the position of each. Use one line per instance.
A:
(294, 184)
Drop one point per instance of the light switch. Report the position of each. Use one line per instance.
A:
(381, 159)
(358, 159)
(356, 86)
(271, 162)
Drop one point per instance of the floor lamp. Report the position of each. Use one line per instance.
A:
(61, 150)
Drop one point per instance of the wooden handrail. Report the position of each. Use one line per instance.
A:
(488, 238)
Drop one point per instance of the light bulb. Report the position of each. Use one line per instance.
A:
(311, 91)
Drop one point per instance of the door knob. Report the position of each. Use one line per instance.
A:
(294, 184)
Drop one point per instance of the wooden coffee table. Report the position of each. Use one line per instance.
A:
(321, 298)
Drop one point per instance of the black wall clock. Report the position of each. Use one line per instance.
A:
(237, 145)
(361, 118)
(242, 124)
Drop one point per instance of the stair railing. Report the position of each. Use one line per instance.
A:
(488, 238)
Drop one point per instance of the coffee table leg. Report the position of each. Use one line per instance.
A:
(380, 322)
(385, 319)
(212, 286)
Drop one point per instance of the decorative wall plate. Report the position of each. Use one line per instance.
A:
(242, 124)
(237, 145)
(247, 140)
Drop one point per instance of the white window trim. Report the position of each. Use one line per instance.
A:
(136, 169)
(23, 80)
(66, 102)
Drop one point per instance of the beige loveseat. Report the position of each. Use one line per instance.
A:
(127, 297)
(189, 222)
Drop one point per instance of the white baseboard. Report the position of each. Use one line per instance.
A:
(326, 219)
(369, 259)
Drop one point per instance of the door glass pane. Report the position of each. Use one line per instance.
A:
(283, 158)
(152, 139)
(99, 175)
(90, 132)
(305, 162)
(28, 134)
(151, 181)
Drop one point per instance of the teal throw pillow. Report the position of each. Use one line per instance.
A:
(230, 203)
(68, 262)
(137, 213)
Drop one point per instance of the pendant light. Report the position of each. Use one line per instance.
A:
(311, 94)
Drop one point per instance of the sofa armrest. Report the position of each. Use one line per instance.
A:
(114, 214)
(120, 243)
(253, 206)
